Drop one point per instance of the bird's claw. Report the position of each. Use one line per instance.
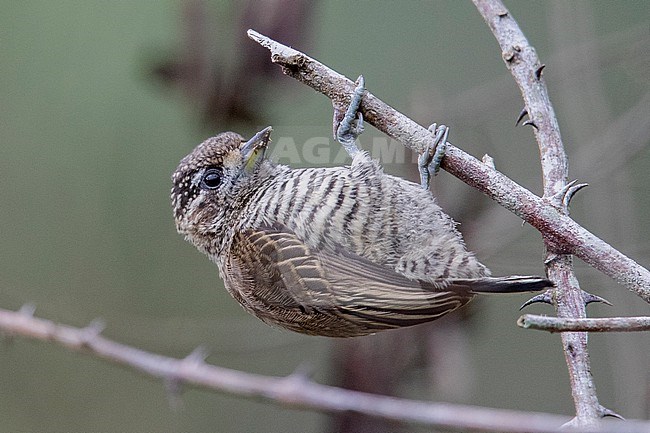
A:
(429, 161)
(351, 126)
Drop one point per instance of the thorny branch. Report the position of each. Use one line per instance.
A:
(567, 297)
(563, 237)
(605, 324)
(295, 391)
(559, 229)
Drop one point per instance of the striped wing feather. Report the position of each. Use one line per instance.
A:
(326, 292)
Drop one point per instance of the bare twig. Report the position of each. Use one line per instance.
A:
(296, 390)
(524, 65)
(557, 228)
(607, 324)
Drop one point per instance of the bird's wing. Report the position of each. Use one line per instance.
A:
(279, 268)
(374, 292)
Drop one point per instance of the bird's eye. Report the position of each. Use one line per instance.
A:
(211, 179)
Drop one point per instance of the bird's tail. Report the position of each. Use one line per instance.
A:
(511, 284)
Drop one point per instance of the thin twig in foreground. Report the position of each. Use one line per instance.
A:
(557, 228)
(605, 324)
(295, 391)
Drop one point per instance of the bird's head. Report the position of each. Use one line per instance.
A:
(206, 180)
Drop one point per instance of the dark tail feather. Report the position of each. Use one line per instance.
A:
(511, 284)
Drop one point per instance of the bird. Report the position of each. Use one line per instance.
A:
(339, 251)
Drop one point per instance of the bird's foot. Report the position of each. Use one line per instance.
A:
(351, 126)
(429, 160)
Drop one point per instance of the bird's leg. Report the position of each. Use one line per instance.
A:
(351, 126)
(429, 160)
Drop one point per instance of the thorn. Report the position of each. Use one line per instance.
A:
(301, 375)
(173, 389)
(522, 114)
(198, 356)
(564, 195)
(489, 161)
(570, 192)
(92, 330)
(550, 258)
(538, 72)
(174, 385)
(608, 412)
(531, 123)
(562, 192)
(588, 298)
(511, 54)
(545, 298)
(303, 372)
(27, 309)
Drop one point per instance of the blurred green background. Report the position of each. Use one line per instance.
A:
(100, 100)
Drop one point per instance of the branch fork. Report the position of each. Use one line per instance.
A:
(563, 237)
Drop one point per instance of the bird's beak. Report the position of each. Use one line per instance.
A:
(253, 150)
